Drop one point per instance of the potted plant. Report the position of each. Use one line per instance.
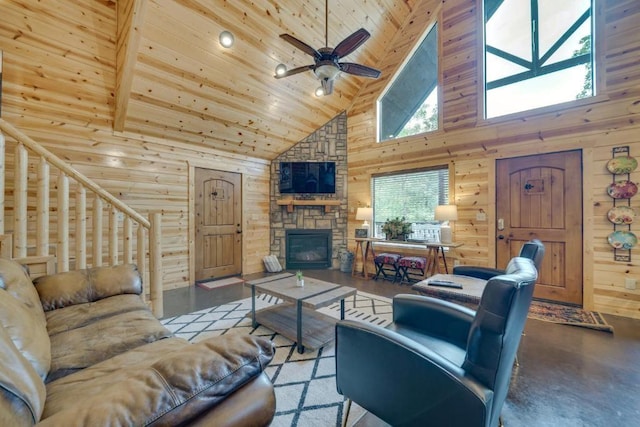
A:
(396, 228)
(299, 278)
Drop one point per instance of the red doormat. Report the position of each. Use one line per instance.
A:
(212, 284)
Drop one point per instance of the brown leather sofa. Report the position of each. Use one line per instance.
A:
(82, 349)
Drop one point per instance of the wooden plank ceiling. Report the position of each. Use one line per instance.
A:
(174, 80)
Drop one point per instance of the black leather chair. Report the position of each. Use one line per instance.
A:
(438, 363)
(533, 249)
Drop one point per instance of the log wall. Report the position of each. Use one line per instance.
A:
(471, 145)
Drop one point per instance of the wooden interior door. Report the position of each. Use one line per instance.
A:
(218, 213)
(541, 197)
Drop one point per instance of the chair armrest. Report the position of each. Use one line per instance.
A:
(88, 285)
(403, 382)
(484, 273)
(433, 316)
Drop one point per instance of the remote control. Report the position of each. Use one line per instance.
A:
(445, 284)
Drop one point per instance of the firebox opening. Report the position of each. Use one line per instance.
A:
(308, 249)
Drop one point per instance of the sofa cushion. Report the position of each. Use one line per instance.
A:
(14, 278)
(27, 332)
(167, 382)
(22, 317)
(89, 285)
(84, 334)
(22, 391)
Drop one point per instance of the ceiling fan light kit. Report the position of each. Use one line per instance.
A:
(327, 65)
(281, 69)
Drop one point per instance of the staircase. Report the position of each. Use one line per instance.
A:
(83, 238)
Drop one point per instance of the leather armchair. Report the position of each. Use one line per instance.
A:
(533, 249)
(438, 363)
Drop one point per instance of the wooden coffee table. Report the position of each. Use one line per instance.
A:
(296, 317)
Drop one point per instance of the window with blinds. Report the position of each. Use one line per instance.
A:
(413, 195)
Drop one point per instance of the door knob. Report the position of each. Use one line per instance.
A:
(500, 236)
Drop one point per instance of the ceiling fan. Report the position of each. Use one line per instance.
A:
(327, 63)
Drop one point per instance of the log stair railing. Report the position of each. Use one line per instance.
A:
(29, 238)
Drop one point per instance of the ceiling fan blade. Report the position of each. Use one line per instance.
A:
(351, 43)
(301, 45)
(327, 86)
(295, 71)
(359, 70)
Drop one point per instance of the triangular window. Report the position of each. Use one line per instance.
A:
(410, 104)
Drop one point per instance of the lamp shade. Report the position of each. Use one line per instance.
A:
(446, 213)
(364, 214)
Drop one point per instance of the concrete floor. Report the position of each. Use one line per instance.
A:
(568, 376)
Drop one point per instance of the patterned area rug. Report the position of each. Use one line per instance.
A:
(305, 383)
(540, 310)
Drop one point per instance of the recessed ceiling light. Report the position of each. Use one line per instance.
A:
(226, 39)
(319, 91)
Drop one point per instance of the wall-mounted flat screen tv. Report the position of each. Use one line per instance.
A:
(307, 177)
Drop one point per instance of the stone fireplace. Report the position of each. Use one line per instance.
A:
(308, 249)
(329, 143)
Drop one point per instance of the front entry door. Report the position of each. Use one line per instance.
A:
(541, 197)
(218, 210)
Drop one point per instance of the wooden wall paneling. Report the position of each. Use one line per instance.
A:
(258, 145)
(459, 62)
(51, 90)
(79, 51)
(621, 51)
(470, 185)
(593, 127)
(41, 23)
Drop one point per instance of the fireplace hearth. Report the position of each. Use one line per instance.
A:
(308, 249)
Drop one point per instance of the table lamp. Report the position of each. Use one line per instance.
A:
(365, 214)
(446, 213)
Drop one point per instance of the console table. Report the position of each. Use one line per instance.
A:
(364, 247)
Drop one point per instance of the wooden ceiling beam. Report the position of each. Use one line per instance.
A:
(130, 19)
